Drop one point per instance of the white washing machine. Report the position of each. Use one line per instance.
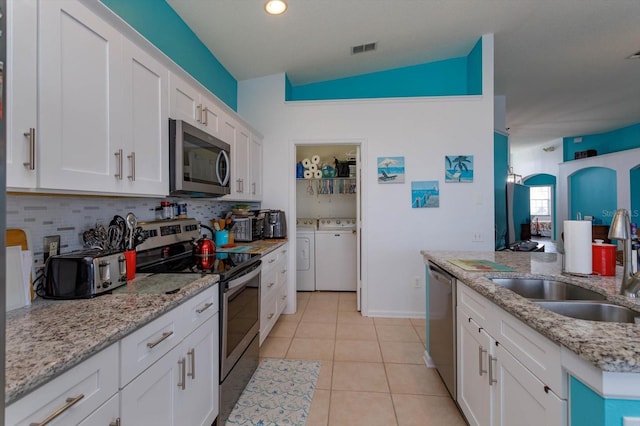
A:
(336, 254)
(305, 254)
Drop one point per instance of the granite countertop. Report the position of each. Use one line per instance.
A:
(612, 347)
(49, 337)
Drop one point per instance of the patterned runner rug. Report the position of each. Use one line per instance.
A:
(279, 393)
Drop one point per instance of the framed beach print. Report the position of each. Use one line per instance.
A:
(390, 169)
(425, 194)
(458, 168)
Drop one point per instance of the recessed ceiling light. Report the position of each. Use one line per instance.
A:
(275, 7)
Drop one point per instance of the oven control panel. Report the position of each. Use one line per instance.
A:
(161, 233)
(337, 223)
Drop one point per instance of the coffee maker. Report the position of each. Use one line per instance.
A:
(275, 224)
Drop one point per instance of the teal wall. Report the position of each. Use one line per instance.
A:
(594, 192)
(544, 179)
(605, 143)
(451, 77)
(587, 408)
(162, 26)
(474, 70)
(500, 171)
(634, 176)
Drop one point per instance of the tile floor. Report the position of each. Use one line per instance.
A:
(372, 369)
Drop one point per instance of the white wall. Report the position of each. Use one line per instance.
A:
(533, 160)
(423, 130)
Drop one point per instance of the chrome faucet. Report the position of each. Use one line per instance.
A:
(621, 230)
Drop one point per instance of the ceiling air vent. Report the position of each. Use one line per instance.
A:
(362, 48)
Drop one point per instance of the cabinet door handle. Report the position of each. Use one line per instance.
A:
(205, 113)
(254, 188)
(270, 316)
(270, 285)
(283, 297)
(199, 118)
(31, 134)
(272, 260)
(491, 370)
(70, 402)
(192, 355)
(155, 343)
(132, 161)
(118, 155)
(116, 422)
(481, 351)
(182, 380)
(204, 308)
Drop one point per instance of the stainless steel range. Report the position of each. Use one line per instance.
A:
(169, 249)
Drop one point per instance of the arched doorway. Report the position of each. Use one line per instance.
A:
(543, 207)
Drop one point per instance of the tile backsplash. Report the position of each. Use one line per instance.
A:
(70, 216)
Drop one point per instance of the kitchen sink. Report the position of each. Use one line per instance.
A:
(536, 288)
(592, 311)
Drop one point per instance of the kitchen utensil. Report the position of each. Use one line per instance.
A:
(132, 223)
(216, 226)
(115, 236)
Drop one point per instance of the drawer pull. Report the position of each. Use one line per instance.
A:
(155, 343)
(116, 422)
(272, 260)
(192, 355)
(270, 316)
(283, 297)
(204, 308)
(481, 351)
(70, 402)
(546, 389)
(270, 285)
(182, 383)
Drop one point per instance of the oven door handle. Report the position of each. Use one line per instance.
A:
(241, 281)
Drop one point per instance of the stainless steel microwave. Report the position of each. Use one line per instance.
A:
(199, 163)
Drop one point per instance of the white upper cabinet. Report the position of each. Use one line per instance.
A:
(146, 129)
(255, 169)
(20, 105)
(88, 103)
(246, 161)
(194, 107)
(79, 68)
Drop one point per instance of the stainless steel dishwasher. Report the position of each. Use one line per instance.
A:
(442, 325)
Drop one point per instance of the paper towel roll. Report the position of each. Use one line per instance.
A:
(315, 159)
(306, 163)
(577, 247)
(308, 174)
(317, 174)
(313, 167)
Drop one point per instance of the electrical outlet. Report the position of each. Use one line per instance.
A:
(51, 246)
(477, 237)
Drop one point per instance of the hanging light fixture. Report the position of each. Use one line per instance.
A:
(275, 7)
(512, 177)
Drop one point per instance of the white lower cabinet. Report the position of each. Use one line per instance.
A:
(107, 415)
(74, 395)
(495, 387)
(181, 388)
(165, 373)
(273, 289)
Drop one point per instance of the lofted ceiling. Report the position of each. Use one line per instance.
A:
(561, 64)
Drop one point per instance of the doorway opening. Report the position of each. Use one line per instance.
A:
(328, 216)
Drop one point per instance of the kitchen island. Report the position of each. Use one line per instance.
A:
(599, 361)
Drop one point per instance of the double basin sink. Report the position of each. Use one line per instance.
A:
(568, 299)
